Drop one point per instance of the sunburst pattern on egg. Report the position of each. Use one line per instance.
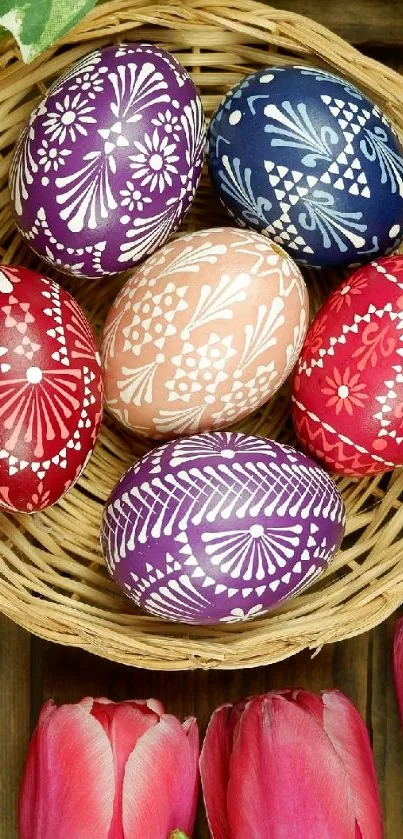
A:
(50, 390)
(220, 527)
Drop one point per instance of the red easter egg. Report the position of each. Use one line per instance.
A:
(348, 385)
(50, 390)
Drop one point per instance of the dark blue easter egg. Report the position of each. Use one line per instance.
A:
(308, 160)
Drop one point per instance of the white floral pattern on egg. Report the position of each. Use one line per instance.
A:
(321, 171)
(109, 161)
(203, 333)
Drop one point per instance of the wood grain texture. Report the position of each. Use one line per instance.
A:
(14, 718)
(363, 22)
(32, 671)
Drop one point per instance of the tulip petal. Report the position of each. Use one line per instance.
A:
(68, 785)
(156, 706)
(28, 793)
(309, 702)
(348, 733)
(153, 704)
(398, 664)
(46, 711)
(191, 730)
(286, 779)
(161, 781)
(87, 702)
(214, 770)
(124, 723)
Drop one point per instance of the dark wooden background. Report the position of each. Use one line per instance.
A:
(32, 671)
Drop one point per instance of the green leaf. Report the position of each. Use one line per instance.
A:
(36, 24)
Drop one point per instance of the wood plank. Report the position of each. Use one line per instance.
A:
(363, 22)
(14, 718)
(359, 667)
(37, 700)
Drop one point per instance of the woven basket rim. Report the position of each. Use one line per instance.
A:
(38, 588)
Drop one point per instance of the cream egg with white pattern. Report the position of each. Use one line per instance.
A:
(203, 333)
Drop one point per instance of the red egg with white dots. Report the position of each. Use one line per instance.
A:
(348, 385)
(50, 390)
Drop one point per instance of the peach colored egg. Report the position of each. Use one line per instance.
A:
(203, 333)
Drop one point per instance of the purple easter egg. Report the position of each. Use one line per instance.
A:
(220, 527)
(109, 161)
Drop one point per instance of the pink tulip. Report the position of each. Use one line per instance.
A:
(398, 664)
(290, 765)
(105, 770)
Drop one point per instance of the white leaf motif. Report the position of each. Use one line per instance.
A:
(136, 387)
(259, 337)
(87, 195)
(191, 259)
(176, 422)
(136, 88)
(217, 301)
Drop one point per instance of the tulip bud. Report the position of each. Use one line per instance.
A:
(290, 764)
(104, 770)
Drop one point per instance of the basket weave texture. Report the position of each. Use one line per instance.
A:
(53, 581)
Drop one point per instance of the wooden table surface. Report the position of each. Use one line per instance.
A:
(32, 671)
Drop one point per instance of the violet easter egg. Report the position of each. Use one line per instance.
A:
(109, 161)
(50, 391)
(204, 332)
(220, 527)
(348, 386)
(307, 159)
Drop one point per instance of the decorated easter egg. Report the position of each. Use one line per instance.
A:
(203, 333)
(109, 161)
(50, 390)
(321, 171)
(348, 387)
(220, 527)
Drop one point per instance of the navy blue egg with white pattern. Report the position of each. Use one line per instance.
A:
(304, 157)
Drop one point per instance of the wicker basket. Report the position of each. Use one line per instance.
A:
(52, 577)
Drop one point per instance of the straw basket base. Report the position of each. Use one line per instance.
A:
(53, 581)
